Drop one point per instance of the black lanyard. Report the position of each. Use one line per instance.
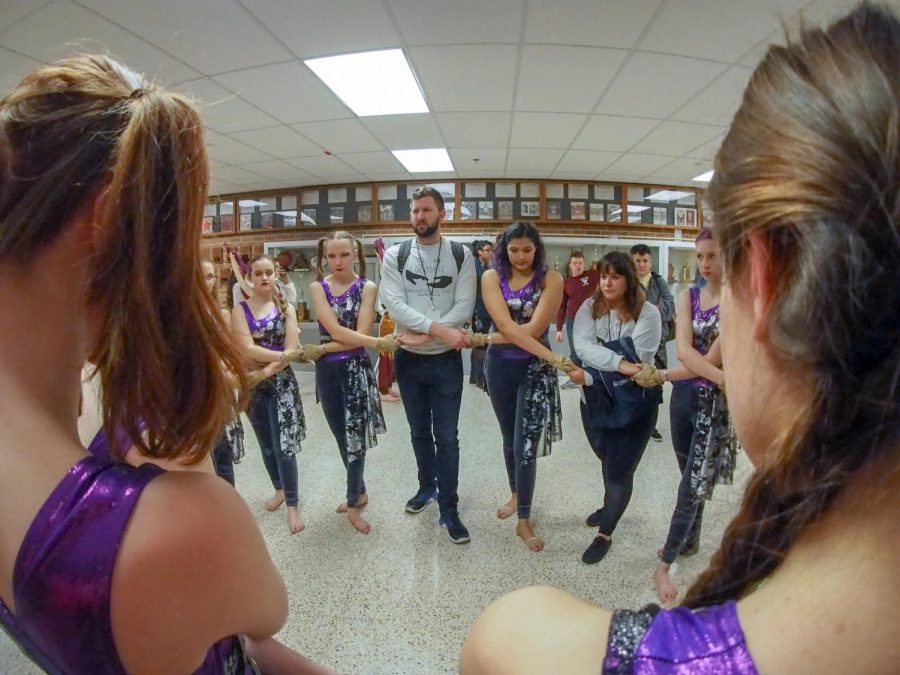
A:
(437, 264)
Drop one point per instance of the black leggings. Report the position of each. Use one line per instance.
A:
(620, 452)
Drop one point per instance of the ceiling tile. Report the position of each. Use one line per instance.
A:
(14, 67)
(278, 170)
(708, 150)
(539, 161)
(712, 25)
(210, 35)
(718, 102)
(16, 10)
(324, 166)
(610, 132)
(676, 138)
(62, 29)
(489, 159)
(438, 22)
(600, 23)
(402, 132)
(340, 135)
(613, 177)
(656, 84)
(638, 165)
(545, 130)
(446, 75)
(587, 161)
(237, 175)
(346, 178)
(229, 151)
(287, 91)
(221, 187)
(573, 175)
(224, 111)
(565, 79)
(281, 142)
(309, 27)
(390, 176)
(684, 168)
(475, 130)
(372, 162)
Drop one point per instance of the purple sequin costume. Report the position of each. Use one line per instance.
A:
(62, 577)
(714, 452)
(356, 381)
(678, 641)
(542, 414)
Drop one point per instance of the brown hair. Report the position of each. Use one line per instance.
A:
(428, 191)
(333, 236)
(277, 297)
(620, 263)
(87, 127)
(810, 168)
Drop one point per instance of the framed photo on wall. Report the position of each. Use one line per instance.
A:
(530, 209)
(468, 210)
(505, 210)
(576, 210)
(660, 215)
(597, 214)
(386, 212)
(485, 210)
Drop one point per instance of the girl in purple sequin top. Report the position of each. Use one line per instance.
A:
(105, 567)
(520, 293)
(807, 214)
(345, 381)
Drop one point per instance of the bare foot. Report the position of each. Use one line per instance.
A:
(295, 522)
(509, 508)
(394, 392)
(523, 529)
(276, 500)
(389, 398)
(665, 589)
(360, 503)
(357, 521)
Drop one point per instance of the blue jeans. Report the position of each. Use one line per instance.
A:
(687, 518)
(620, 452)
(330, 379)
(282, 469)
(431, 387)
(506, 387)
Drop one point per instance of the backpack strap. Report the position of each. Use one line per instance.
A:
(403, 255)
(456, 249)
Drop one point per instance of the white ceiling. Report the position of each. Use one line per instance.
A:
(641, 90)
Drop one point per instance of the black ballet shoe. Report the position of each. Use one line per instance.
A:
(596, 551)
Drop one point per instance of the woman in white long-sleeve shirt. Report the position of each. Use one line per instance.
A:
(617, 310)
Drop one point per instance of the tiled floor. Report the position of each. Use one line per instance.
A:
(401, 599)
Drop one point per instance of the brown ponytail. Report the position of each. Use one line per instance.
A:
(89, 131)
(810, 168)
(320, 259)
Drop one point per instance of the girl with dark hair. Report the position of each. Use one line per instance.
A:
(702, 434)
(805, 579)
(265, 327)
(103, 179)
(616, 311)
(519, 290)
(345, 306)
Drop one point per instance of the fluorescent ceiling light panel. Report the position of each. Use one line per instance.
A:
(425, 160)
(704, 177)
(667, 196)
(372, 83)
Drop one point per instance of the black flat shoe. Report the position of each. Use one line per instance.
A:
(596, 551)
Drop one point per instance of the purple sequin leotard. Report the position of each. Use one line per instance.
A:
(62, 576)
(678, 641)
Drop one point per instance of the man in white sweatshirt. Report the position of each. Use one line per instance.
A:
(428, 286)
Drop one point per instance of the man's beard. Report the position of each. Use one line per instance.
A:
(430, 229)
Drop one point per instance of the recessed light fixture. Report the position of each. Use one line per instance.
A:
(372, 83)
(425, 160)
(668, 195)
(704, 177)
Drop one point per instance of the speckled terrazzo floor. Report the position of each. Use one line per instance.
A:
(401, 599)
